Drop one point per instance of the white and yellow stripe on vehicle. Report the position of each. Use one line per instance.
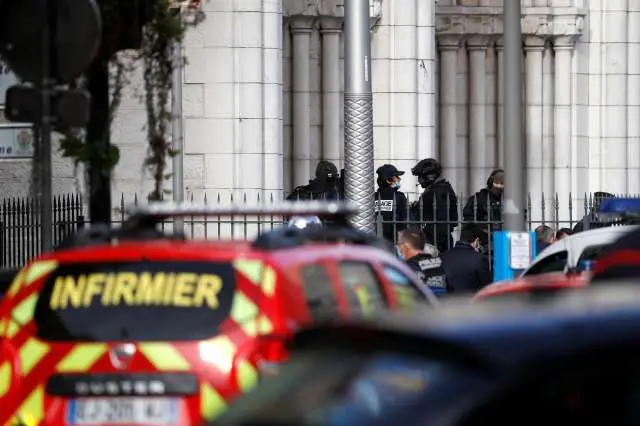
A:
(31, 274)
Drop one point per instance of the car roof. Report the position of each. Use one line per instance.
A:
(576, 243)
(504, 333)
(584, 239)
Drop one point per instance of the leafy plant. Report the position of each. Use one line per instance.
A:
(165, 28)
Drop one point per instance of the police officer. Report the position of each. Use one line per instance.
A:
(391, 203)
(427, 266)
(326, 185)
(438, 204)
(485, 207)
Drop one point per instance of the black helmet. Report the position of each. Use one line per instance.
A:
(427, 171)
(326, 170)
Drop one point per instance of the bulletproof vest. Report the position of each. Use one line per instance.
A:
(431, 272)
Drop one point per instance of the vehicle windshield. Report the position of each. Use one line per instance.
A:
(334, 387)
(142, 301)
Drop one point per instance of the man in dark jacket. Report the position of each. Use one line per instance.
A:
(466, 268)
(437, 208)
(326, 185)
(391, 203)
(485, 207)
(427, 266)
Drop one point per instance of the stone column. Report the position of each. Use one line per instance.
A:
(614, 139)
(477, 47)
(491, 154)
(633, 104)
(462, 115)
(500, 100)
(548, 130)
(301, 28)
(233, 110)
(426, 143)
(534, 48)
(563, 47)
(330, 30)
(449, 46)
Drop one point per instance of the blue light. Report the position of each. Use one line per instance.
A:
(619, 206)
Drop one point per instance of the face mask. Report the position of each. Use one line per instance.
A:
(398, 253)
(395, 185)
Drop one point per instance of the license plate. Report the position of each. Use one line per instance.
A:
(142, 411)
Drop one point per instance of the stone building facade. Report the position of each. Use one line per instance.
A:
(263, 103)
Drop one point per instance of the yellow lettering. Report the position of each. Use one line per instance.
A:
(183, 295)
(182, 290)
(54, 302)
(168, 289)
(71, 293)
(94, 287)
(123, 288)
(107, 293)
(150, 289)
(207, 290)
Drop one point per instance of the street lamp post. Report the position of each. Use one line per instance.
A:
(358, 112)
(515, 189)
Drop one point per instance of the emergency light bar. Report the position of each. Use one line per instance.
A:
(619, 208)
(151, 214)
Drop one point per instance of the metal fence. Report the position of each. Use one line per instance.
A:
(20, 230)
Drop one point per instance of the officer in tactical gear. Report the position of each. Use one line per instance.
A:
(437, 206)
(485, 207)
(391, 203)
(424, 259)
(326, 186)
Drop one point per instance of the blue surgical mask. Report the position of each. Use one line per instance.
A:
(399, 254)
(395, 185)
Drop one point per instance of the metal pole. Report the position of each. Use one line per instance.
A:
(46, 91)
(177, 135)
(514, 194)
(358, 112)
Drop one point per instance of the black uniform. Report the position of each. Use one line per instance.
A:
(430, 270)
(391, 203)
(438, 204)
(326, 186)
(467, 270)
(485, 209)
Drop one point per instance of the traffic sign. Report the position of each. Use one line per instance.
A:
(77, 27)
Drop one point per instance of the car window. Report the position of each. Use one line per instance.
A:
(141, 301)
(555, 262)
(605, 390)
(592, 252)
(406, 292)
(363, 289)
(319, 291)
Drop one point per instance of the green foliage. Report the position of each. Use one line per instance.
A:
(165, 28)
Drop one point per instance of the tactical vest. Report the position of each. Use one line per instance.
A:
(431, 272)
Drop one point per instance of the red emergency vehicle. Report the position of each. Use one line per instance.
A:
(534, 285)
(135, 326)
